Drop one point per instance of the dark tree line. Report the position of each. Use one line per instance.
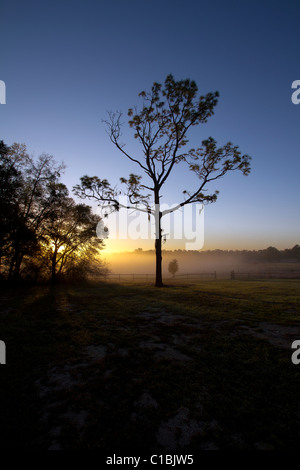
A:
(270, 254)
(44, 234)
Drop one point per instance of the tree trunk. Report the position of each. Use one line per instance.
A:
(53, 270)
(17, 268)
(158, 234)
(158, 280)
(15, 265)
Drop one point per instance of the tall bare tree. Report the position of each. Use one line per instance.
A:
(161, 127)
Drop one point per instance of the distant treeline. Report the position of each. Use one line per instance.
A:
(270, 254)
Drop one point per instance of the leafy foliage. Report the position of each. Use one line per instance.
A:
(173, 267)
(43, 231)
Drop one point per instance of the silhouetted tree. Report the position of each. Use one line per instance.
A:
(295, 252)
(13, 160)
(173, 267)
(271, 254)
(10, 182)
(70, 243)
(42, 231)
(34, 202)
(161, 127)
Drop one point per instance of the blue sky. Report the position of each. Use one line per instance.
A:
(65, 64)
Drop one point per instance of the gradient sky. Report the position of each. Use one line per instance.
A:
(66, 63)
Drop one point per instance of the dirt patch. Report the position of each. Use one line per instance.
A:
(166, 340)
(178, 432)
(146, 401)
(57, 379)
(164, 351)
(162, 317)
(97, 353)
(172, 354)
(277, 335)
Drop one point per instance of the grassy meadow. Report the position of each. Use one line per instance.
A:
(126, 367)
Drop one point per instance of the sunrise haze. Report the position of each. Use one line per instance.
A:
(65, 64)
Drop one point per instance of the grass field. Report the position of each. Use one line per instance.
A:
(130, 368)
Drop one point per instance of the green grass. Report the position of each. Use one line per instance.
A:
(82, 359)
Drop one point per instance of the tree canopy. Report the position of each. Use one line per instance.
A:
(173, 267)
(44, 233)
(161, 127)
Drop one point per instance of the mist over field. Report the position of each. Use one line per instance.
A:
(193, 262)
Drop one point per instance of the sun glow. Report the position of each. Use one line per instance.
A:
(119, 246)
(60, 249)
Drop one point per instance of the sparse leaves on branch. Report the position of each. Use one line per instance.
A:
(161, 126)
